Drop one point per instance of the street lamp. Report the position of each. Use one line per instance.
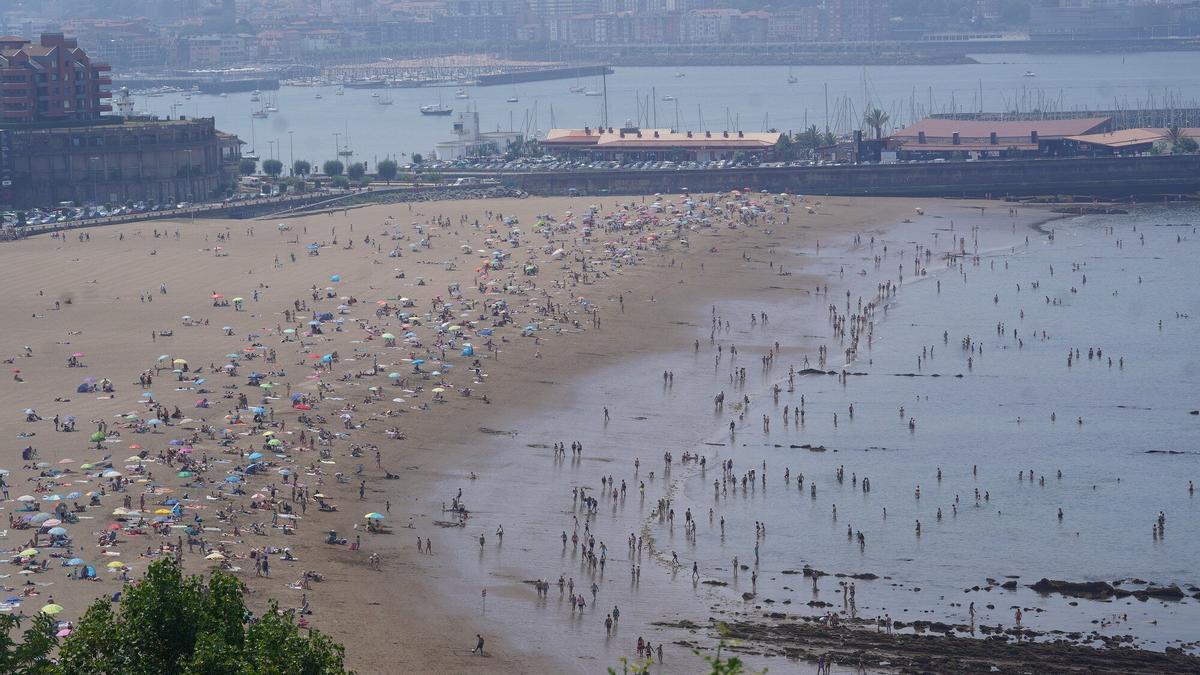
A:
(95, 192)
(291, 153)
(188, 152)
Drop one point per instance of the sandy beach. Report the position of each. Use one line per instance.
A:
(500, 334)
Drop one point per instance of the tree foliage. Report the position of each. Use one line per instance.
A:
(356, 171)
(1179, 140)
(247, 166)
(272, 167)
(30, 657)
(386, 169)
(877, 119)
(333, 167)
(170, 624)
(301, 168)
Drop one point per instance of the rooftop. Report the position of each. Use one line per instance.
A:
(1130, 137)
(1046, 129)
(613, 138)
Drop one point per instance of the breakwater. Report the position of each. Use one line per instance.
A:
(540, 74)
(1108, 178)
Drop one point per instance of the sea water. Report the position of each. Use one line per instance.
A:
(1122, 437)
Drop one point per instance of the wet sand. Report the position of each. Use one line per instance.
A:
(421, 611)
(379, 616)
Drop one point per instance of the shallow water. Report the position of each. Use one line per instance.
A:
(1110, 491)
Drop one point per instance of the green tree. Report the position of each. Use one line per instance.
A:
(386, 170)
(248, 166)
(301, 168)
(340, 182)
(32, 655)
(418, 158)
(810, 138)
(877, 120)
(175, 625)
(272, 167)
(1014, 12)
(356, 171)
(333, 167)
(1179, 140)
(786, 148)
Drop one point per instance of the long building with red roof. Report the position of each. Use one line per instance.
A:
(636, 144)
(933, 138)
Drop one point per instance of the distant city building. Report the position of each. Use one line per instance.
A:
(208, 51)
(1099, 19)
(51, 81)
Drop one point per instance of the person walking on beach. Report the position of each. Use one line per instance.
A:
(478, 644)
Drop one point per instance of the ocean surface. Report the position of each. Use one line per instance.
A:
(749, 98)
(1122, 437)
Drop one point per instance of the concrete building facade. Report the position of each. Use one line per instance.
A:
(132, 160)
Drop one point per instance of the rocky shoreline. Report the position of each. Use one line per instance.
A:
(933, 648)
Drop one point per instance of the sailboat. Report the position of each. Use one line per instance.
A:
(461, 93)
(436, 109)
(346, 151)
(251, 154)
(271, 107)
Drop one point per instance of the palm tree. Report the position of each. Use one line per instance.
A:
(1180, 141)
(877, 120)
(810, 138)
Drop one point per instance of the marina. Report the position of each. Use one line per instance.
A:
(752, 98)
